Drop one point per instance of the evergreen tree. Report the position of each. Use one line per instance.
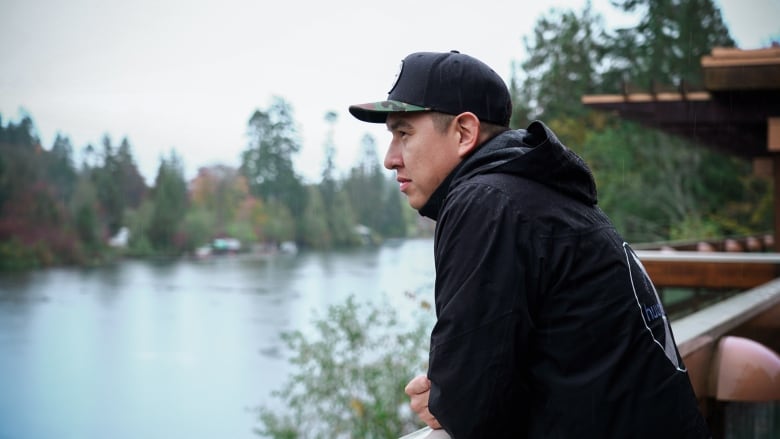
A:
(21, 134)
(564, 56)
(19, 153)
(109, 190)
(169, 199)
(666, 47)
(61, 170)
(132, 184)
(366, 187)
(337, 205)
(521, 108)
(267, 162)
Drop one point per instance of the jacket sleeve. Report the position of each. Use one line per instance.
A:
(479, 345)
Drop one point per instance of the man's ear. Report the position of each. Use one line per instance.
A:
(467, 126)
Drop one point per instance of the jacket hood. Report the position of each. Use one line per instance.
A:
(534, 153)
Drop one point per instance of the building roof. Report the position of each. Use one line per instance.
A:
(741, 92)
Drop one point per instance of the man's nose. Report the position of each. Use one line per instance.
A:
(392, 158)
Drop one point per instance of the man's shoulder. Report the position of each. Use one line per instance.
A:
(490, 194)
(484, 187)
(499, 184)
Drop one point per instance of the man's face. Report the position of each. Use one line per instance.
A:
(421, 155)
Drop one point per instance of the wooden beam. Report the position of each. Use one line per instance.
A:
(710, 62)
(737, 55)
(742, 77)
(645, 97)
(718, 270)
(734, 69)
(709, 275)
(773, 134)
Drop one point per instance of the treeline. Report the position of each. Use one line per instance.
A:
(53, 211)
(654, 186)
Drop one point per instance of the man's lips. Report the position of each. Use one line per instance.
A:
(403, 183)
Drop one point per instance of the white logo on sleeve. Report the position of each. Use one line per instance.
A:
(651, 308)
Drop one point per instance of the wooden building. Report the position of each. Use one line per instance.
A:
(738, 112)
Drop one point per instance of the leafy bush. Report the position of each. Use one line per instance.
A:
(348, 381)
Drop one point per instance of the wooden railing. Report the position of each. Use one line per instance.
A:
(715, 270)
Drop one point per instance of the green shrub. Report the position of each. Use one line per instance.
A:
(348, 380)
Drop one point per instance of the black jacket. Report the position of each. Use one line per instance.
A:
(547, 324)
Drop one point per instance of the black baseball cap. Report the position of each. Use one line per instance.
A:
(447, 82)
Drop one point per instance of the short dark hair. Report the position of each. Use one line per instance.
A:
(442, 121)
(490, 130)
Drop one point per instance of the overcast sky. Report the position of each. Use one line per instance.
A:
(188, 74)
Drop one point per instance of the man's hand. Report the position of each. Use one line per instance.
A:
(418, 390)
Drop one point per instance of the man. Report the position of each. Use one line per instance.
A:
(547, 324)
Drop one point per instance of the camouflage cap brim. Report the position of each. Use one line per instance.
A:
(376, 112)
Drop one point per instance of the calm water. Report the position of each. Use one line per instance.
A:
(178, 350)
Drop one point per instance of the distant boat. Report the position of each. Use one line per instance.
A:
(226, 245)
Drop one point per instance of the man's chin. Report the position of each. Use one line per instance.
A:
(416, 203)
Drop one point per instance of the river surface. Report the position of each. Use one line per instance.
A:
(185, 349)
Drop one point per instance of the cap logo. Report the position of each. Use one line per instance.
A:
(397, 76)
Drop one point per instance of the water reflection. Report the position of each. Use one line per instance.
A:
(182, 349)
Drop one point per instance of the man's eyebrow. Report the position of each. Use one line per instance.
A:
(397, 124)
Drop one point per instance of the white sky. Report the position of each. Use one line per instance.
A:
(188, 74)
